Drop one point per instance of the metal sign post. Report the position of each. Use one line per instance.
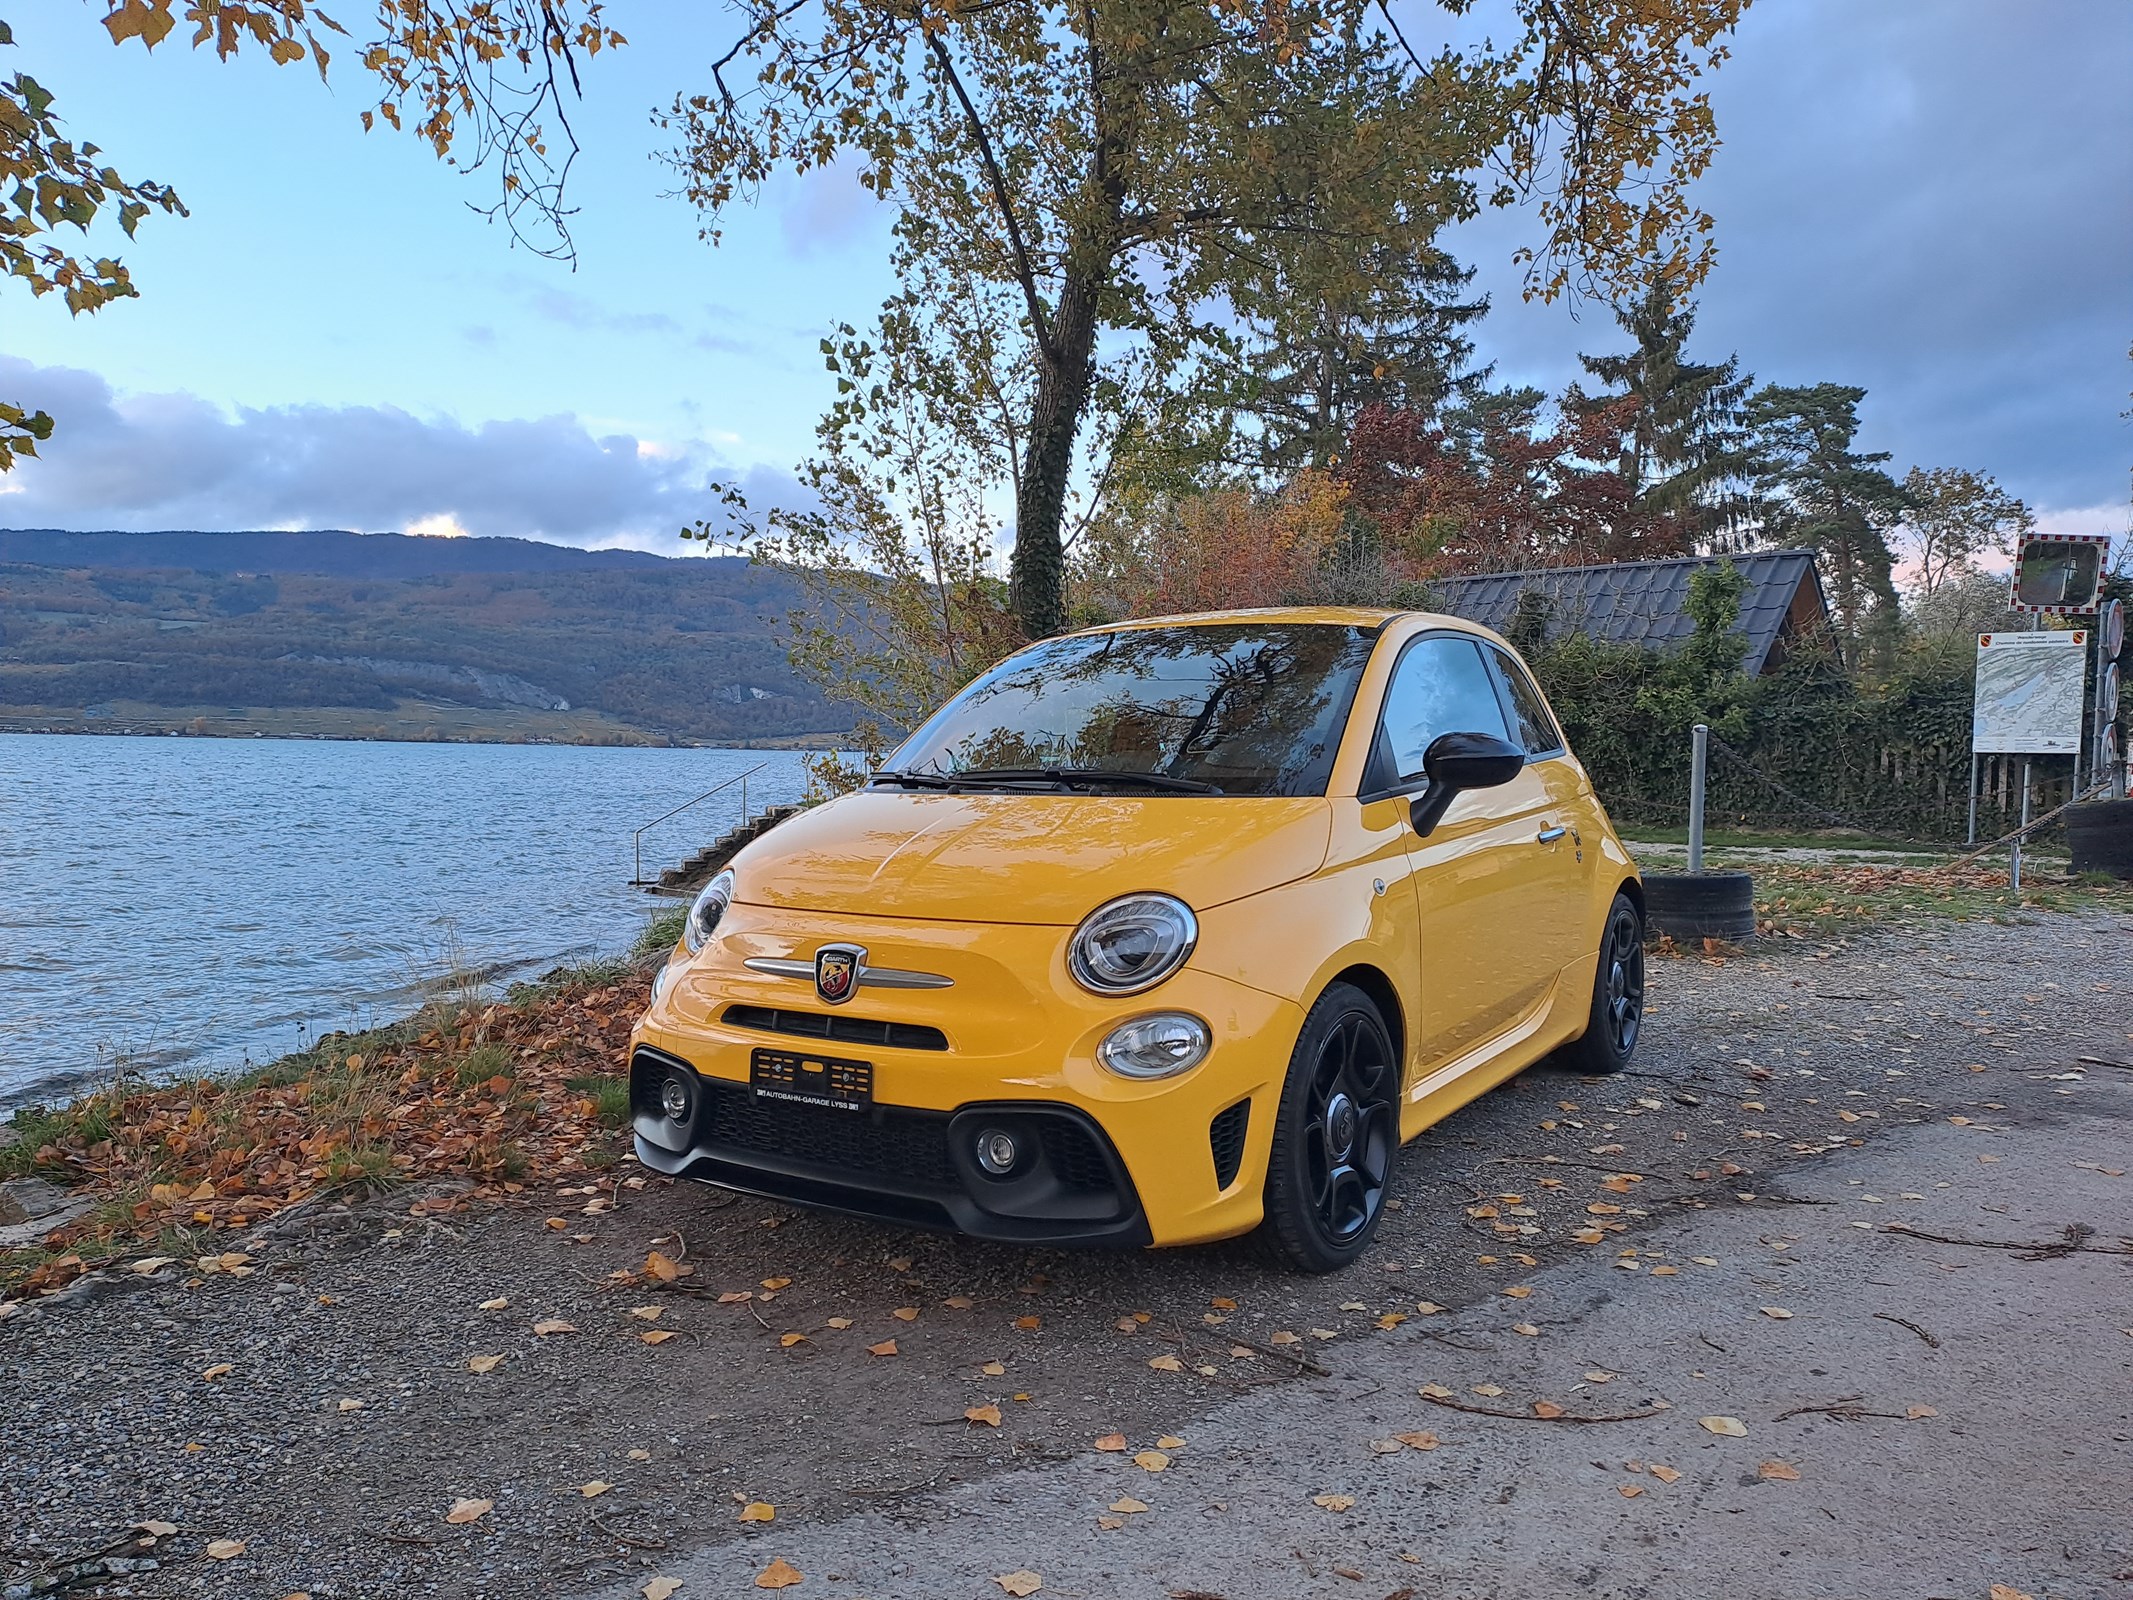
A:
(2029, 702)
(1700, 749)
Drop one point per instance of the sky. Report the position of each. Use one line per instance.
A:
(1932, 199)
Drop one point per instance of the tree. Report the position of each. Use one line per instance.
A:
(1822, 493)
(1685, 448)
(1103, 165)
(477, 82)
(1954, 517)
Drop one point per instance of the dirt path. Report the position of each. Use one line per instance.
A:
(1784, 1077)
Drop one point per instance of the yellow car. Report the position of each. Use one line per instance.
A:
(1155, 934)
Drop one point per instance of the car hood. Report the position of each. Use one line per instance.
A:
(1028, 858)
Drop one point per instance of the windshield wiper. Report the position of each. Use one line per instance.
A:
(912, 780)
(1089, 776)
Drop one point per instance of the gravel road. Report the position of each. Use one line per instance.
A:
(1789, 1104)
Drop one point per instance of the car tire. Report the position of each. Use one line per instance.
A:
(1336, 1136)
(1616, 1020)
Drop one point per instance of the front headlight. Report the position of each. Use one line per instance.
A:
(1132, 943)
(1160, 1046)
(704, 912)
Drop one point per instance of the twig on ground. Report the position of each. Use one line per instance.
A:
(1905, 1322)
(2074, 1240)
(618, 1535)
(1847, 1409)
(1534, 1416)
(1585, 1166)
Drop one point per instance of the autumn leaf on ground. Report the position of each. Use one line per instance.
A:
(1125, 1505)
(1777, 1313)
(1518, 1291)
(2002, 1591)
(758, 1511)
(551, 1325)
(1429, 1308)
(497, 1304)
(349, 1405)
(464, 1511)
(775, 1284)
(221, 1369)
(1026, 1324)
(1547, 1410)
(1527, 1329)
(1111, 1441)
(1021, 1581)
(1779, 1471)
(660, 1589)
(1167, 1363)
(1434, 1391)
(1151, 1461)
(1914, 1413)
(662, 1266)
(1333, 1502)
(484, 1363)
(598, 1486)
(905, 1313)
(1417, 1440)
(787, 1340)
(658, 1336)
(987, 1414)
(840, 1323)
(993, 1369)
(225, 1549)
(1665, 1474)
(156, 1530)
(646, 1313)
(1488, 1391)
(1284, 1337)
(1170, 1441)
(1729, 1427)
(1629, 1491)
(959, 1302)
(887, 1347)
(780, 1574)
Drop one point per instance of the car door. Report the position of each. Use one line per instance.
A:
(1484, 878)
(1562, 930)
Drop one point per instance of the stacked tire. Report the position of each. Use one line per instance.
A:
(1690, 907)
(2099, 833)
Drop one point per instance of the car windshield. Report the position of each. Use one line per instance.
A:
(1240, 708)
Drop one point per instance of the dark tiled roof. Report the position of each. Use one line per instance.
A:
(1640, 602)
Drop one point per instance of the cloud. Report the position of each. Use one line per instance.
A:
(176, 461)
(824, 209)
(1932, 201)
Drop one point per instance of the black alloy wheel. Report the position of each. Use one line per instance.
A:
(1617, 1019)
(1336, 1135)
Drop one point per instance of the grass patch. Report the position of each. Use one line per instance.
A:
(483, 1062)
(610, 1097)
(360, 1166)
(1821, 900)
(660, 935)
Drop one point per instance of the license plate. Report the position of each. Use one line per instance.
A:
(812, 1080)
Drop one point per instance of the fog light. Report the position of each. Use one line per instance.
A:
(1159, 1046)
(997, 1152)
(674, 1099)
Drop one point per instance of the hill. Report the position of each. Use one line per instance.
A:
(380, 635)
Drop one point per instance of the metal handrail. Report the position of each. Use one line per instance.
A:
(637, 838)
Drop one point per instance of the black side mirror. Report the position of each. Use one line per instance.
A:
(1459, 761)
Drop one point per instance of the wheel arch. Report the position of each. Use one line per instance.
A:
(1383, 993)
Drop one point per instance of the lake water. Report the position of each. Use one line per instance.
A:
(196, 903)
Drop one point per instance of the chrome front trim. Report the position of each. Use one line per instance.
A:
(865, 978)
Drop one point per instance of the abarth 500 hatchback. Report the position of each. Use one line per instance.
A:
(1154, 934)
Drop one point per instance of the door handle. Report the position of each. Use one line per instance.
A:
(1549, 835)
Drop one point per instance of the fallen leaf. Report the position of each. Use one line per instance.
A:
(758, 1511)
(659, 1336)
(1284, 1337)
(1392, 1319)
(1597, 1376)
(1730, 1427)
(484, 1363)
(1665, 1474)
(1027, 1323)
(647, 1313)
(662, 1267)
(1385, 1447)
(497, 1304)
(1429, 1308)
(1170, 1441)
(959, 1302)
(1518, 1291)
(1333, 1502)
(640, 1455)
(225, 1549)
(1020, 1582)
(1126, 1325)
(2002, 1591)
(1705, 1261)
(156, 1530)
(1110, 1524)
(1913, 1413)
(549, 1325)
(887, 1347)
(987, 1414)
(349, 1405)
(1223, 1302)
(1417, 1440)
(1324, 1333)
(464, 1511)
(597, 1487)
(660, 1589)
(149, 1264)
(1151, 1461)
(1488, 1391)
(1777, 1313)
(775, 1284)
(840, 1323)
(221, 1369)
(1527, 1329)
(1601, 1208)
(1126, 1506)
(1434, 1391)
(1111, 1441)
(1546, 1409)
(780, 1574)
(1629, 1491)
(787, 1340)
(1779, 1471)
(905, 1313)
(1167, 1363)
(993, 1369)
(735, 1297)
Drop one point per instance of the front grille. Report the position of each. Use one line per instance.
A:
(907, 1146)
(1225, 1139)
(1076, 1159)
(837, 1029)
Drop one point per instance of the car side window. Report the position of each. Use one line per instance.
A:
(1441, 685)
(1536, 728)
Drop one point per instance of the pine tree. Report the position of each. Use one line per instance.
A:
(1685, 444)
(1820, 492)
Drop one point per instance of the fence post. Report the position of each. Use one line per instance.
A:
(2014, 870)
(1701, 744)
(1970, 835)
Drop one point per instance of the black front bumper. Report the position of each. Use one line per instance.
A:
(893, 1163)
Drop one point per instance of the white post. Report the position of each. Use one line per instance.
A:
(1701, 737)
(1971, 836)
(2014, 871)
